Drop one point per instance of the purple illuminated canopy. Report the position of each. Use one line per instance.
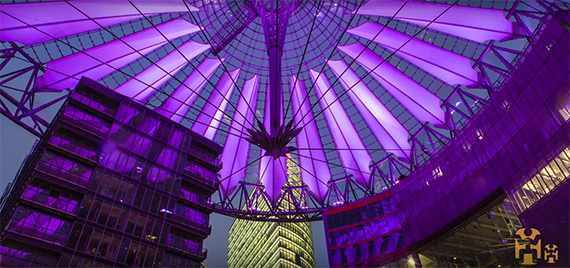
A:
(180, 100)
(356, 159)
(391, 134)
(209, 119)
(315, 171)
(236, 148)
(444, 64)
(144, 84)
(477, 24)
(30, 23)
(101, 60)
(423, 104)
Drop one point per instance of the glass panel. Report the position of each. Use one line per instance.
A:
(49, 196)
(86, 121)
(64, 168)
(39, 225)
(75, 144)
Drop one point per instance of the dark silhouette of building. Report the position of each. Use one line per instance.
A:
(111, 184)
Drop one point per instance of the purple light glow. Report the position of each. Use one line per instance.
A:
(272, 175)
(42, 196)
(178, 104)
(65, 72)
(60, 19)
(391, 134)
(236, 148)
(444, 64)
(356, 160)
(69, 146)
(118, 161)
(41, 223)
(272, 172)
(315, 172)
(154, 75)
(477, 24)
(209, 119)
(424, 105)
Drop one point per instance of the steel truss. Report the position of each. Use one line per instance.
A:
(30, 108)
(460, 107)
(25, 106)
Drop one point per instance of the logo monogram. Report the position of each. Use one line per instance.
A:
(534, 247)
(527, 256)
(551, 253)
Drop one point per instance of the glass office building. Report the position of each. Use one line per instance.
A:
(112, 183)
(272, 244)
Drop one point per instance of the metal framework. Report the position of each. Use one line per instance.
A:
(358, 94)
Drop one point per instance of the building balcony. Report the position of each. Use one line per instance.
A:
(187, 221)
(72, 176)
(194, 199)
(205, 157)
(69, 148)
(108, 110)
(198, 173)
(93, 127)
(41, 226)
(182, 245)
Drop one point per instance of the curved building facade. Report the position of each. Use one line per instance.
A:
(507, 170)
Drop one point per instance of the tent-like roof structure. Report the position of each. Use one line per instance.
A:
(355, 93)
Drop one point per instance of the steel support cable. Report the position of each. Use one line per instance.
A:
(162, 69)
(330, 162)
(107, 64)
(242, 168)
(302, 60)
(389, 56)
(224, 67)
(324, 65)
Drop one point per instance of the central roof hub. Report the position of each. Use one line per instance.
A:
(274, 145)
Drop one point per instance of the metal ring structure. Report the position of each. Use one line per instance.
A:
(317, 103)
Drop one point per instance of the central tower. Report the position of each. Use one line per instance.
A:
(275, 135)
(274, 16)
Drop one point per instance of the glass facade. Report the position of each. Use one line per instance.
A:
(111, 184)
(364, 232)
(545, 181)
(272, 244)
(506, 170)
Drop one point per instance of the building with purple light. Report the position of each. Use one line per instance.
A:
(427, 132)
(363, 232)
(111, 184)
(508, 170)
